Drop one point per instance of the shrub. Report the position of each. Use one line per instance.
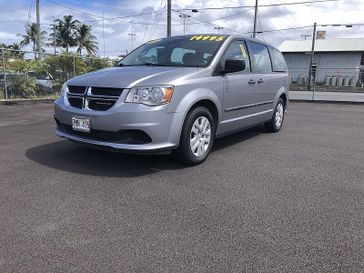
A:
(19, 65)
(62, 67)
(96, 64)
(22, 86)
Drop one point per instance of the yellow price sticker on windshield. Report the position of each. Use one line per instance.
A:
(243, 52)
(153, 41)
(207, 38)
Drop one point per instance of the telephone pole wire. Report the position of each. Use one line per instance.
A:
(169, 17)
(255, 19)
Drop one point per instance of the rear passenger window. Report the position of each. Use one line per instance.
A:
(260, 58)
(278, 61)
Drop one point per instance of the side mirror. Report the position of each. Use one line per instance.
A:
(232, 65)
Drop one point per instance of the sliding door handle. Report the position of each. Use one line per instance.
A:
(251, 82)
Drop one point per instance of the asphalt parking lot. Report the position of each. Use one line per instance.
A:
(286, 202)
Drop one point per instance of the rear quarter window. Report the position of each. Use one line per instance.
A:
(260, 59)
(278, 62)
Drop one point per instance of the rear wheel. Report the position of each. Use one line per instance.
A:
(275, 124)
(197, 137)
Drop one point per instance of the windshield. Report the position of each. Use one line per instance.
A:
(185, 51)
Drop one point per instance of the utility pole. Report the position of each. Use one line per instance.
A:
(218, 29)
(103, 33)
(169, 17)
(54, 37)
(38, 29)
(255, 19)
(312, 55)
(184, 16)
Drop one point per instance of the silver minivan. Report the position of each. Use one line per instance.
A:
(177, 95)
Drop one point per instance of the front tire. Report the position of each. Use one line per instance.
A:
(197, 137)
(275, 124)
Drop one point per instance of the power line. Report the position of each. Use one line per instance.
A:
(261, 6)
(101, 16)
(208, 22)
(220, 18)
(76, 10)
(310, 26)
(150, 15)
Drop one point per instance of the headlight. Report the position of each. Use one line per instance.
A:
(151, 95)
(64, 92)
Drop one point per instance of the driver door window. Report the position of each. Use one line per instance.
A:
(237, 51)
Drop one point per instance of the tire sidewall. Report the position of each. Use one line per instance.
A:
(193, 115)
(280, 101)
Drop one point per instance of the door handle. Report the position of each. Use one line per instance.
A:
(260, 81)
(251, 82)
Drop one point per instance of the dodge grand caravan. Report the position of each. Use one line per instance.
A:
(176, 95)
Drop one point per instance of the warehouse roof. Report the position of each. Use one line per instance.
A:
(324, 45)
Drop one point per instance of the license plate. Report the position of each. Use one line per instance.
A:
(81, 124)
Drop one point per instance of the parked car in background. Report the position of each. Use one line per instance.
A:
(44, 80)
(177, 95)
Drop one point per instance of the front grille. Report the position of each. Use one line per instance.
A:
(93, 98)
(121, 137)
(100, 104)
(75, 102)
(77, 89)
(101, 91)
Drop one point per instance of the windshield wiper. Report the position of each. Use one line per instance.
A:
(150, 64)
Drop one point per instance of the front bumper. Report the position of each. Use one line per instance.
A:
(162, 127)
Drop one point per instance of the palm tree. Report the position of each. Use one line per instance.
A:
(30, 35)
(85, 40)
(66, 32)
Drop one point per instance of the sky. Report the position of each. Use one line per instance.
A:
(147, 19)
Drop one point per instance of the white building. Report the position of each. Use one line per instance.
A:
(340, 58)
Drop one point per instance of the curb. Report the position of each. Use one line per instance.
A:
(326, 101)
(26, 101)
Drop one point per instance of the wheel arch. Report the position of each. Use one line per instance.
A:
(281, 94)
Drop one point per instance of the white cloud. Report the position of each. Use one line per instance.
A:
(150, 26)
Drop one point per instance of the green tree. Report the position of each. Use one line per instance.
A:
(30, 36)
(65, 31)
(85, 40)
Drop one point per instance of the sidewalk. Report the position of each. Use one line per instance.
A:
(326, 96)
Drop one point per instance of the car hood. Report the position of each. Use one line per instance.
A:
(126, 77)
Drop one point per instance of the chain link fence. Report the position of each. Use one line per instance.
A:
(328, 79)
(27, 74)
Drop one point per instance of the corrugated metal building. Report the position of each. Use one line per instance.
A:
(340, 58)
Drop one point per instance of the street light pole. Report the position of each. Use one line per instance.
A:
(132, 38)
(218, 29)
(184, 16)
